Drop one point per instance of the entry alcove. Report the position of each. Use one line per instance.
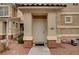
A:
(39, 28)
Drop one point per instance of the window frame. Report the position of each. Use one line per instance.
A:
(4, 6)
(66, 22)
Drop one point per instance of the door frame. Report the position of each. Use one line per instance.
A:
(44, 18)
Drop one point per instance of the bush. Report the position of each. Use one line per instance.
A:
(20, 38)
(2, 48)
(3, 45)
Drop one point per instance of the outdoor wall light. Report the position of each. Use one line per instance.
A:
(51, 28)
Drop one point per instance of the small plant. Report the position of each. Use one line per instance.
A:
(3, 46)
(20, 38)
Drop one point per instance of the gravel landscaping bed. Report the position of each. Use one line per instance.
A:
(65, 49)
(15, 49)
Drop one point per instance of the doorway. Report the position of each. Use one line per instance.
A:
(40, 30)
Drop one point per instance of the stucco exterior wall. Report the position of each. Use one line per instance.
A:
(51, 19)
(27, 26)
(75, 21)
(15, 29)
(1, 28)
(68, 31)
(14, 12)
(4, 28)
(71, 8)
(2, 31)
(56, 22)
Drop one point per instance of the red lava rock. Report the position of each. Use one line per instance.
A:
(65, 49)
(15, 49)
(18, 49)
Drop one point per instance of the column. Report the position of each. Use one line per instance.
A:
(9, 31)
(51, 38)
(58, 29)
(27, 17)
(18, 30)
(1, 30)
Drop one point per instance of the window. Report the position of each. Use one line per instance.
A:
(68, 19)
(4, 11)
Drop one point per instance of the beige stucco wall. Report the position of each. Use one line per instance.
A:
(12, 10)
(71, 8)
(15, 29)
(11, 27)
(4, 26)
(68, 31)
(1, 30)
(75, 21)
(27, 26)
(55, 18)
(51, 19)
(19, 14)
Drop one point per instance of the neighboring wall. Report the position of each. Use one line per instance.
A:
(71, 8)
(66, 30)
(16, 29)
(71, 30)
(14, 12)
(13, 24)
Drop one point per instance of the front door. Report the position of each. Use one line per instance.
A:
(39, 31)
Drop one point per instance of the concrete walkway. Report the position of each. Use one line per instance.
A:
(39, 50)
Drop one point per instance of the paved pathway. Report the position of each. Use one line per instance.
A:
(39, 50)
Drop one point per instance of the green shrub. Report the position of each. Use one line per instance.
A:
(20, 38)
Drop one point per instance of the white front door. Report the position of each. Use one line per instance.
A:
(39, 31)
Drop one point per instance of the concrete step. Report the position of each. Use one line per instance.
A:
(39, 50)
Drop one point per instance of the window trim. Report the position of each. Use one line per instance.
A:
(8, 10)
(66, 22)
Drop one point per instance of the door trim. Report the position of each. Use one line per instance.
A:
(46, 29)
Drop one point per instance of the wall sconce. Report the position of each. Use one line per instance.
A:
(51, 28)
